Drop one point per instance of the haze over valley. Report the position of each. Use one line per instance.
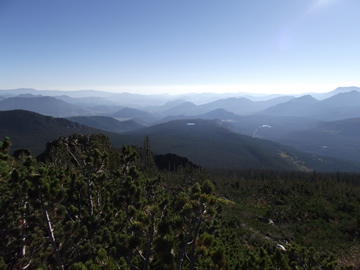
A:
(320, 126)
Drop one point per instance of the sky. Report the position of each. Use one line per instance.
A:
(180, 46)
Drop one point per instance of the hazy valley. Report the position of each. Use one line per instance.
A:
(318, 131)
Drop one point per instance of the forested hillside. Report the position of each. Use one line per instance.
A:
(212, 144)
(208, 143)
(87, 205)
(31, 130)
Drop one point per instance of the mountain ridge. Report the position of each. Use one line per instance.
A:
(44, 105)
(208, 143)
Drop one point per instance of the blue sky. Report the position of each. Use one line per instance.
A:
(178, 46)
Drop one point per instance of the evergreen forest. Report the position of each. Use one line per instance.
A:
(84, 204)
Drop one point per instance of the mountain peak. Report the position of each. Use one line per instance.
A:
(305, 98)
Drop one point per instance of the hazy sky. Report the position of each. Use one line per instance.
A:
(157, 46)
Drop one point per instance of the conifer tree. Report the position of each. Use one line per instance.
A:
(196, 209)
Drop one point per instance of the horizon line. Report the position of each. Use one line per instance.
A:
(254, 89)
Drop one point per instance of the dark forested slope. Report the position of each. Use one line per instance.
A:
(335, 139)
(30, 130)
(208, 143)
(211, 144)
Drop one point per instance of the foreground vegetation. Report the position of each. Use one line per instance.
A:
(84, 204)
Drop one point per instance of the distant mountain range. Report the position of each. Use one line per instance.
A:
(84, 96)
(136, 115)
(43, 105)
(137, 100)
(338, 90)
(340, 106)
(238, 106)
(319, 124)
